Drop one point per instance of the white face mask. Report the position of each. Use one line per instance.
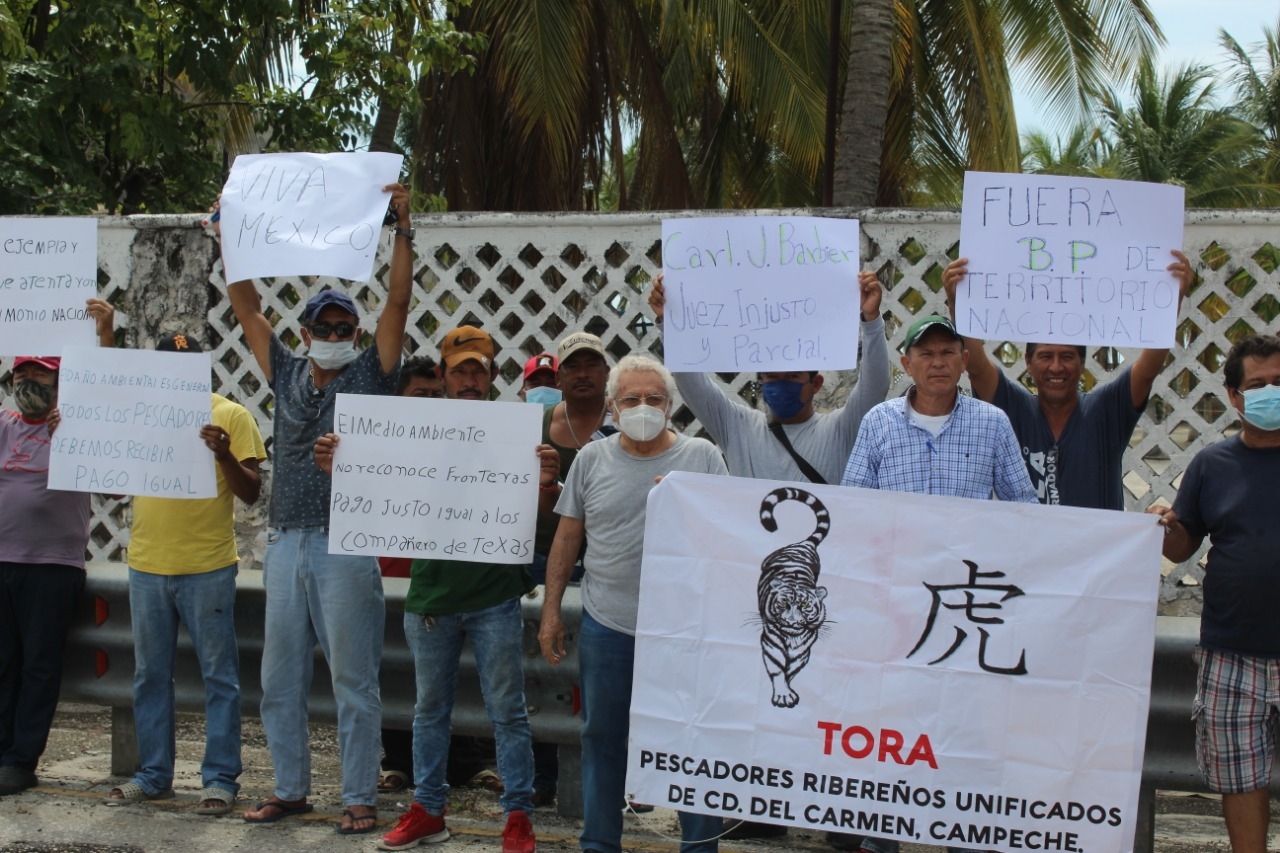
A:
(333, 355)
(642, 423)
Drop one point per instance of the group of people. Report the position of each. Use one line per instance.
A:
(606, 440)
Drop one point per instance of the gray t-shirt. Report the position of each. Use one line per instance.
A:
(608, 488)
(300, 490)
(825, 440)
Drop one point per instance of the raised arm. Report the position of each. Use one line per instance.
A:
(873, 370)
(246, 303)
(1148, 365)
(389, 334)
(984, 376)
(103, 315)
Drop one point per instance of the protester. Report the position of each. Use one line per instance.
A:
(43, 534)
(604, 503)
(448, 601)
(1228, 493)
(314, 596)
(182, 570)
(539, 385)
(1072, 442)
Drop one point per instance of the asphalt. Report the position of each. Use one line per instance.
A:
(66, 814)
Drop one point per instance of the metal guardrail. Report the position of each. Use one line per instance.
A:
(99, 670)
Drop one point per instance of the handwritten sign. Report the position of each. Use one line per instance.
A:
(977, 680)
(444, 479)
(131, 424)
(49, 268)
(1069, 260)
(764, 293)
(305, 214)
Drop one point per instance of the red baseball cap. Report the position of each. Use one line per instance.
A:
(49, 362)
(541, 361)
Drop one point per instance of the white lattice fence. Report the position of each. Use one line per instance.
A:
(528, 279)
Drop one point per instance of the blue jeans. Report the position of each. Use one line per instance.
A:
(606, 659)
(496, 639)
(317, 597)
(205, 603)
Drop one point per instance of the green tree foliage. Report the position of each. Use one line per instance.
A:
(1256, 78)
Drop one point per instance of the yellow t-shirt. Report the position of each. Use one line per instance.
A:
(172, 536)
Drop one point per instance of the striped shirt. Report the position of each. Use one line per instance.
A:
(975, 455)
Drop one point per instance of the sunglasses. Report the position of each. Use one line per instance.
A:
(323, 330)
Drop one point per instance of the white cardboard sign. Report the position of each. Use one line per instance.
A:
(131, 424)
(760, 293)
(305, 214)
(48, 268)
(441, 479)
(981, 678)
(1069, 260)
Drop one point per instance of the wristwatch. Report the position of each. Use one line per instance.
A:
(406, 232)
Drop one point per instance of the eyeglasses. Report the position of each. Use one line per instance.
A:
(655, 400)
(324, 330)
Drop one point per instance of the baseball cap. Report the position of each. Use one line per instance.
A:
(178, 342)
(323, 300)
(49, 362)
(466, 342)
(541, 361)
(579, 341)
(924, 324)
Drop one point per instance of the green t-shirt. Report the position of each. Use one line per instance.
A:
(439, 587)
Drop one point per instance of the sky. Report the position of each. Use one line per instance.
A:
(1191, 36)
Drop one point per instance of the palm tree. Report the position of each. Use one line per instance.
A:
(1085, 152)
(1257, 86)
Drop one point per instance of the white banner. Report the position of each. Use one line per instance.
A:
(49, 269)
(441, 479)
(762, 293)
(305, 214)
(131, 424)
(1069, 260)
(960, 672)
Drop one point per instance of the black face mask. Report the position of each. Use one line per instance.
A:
(34, 399)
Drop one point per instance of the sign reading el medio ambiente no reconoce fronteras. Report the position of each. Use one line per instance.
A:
(49, 269)
(1069, 260)
(760, 293)
(305, 214)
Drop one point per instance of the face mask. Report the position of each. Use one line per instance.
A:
(543, 396)
(1262, 407)
(642, 423)
(333, 355)
(34, 399)
(783, 397)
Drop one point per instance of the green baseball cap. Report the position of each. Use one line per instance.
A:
(924, 324)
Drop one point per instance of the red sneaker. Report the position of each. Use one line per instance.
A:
(518, 835)
(416, 827)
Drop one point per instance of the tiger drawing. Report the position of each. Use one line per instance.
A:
(792, 612)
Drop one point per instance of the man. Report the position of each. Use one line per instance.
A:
(449, 600)
(1073, 443)
(314, 596)
(1228, 493)
(794, 442)
(182, 569)
(604, 503)
(43, 534)
(934, 440)
(540, 384)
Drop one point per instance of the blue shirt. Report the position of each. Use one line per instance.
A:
(1084, 465)
(974, 455)
(303, 413)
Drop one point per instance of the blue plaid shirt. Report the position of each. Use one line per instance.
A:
(974, 455)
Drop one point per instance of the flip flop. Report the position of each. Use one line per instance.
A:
(355, 819)
(282, 811)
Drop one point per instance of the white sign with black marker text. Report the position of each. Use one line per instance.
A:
(938, 670)
(440, 479)
(49, 269)
(131, 424)
(1065, 260)
(760, 293)
(305, 214)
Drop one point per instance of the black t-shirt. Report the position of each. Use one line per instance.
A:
(1229, 493)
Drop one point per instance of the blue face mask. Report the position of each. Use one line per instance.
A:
(1262, 407)
(783, 397)
(543, 396)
